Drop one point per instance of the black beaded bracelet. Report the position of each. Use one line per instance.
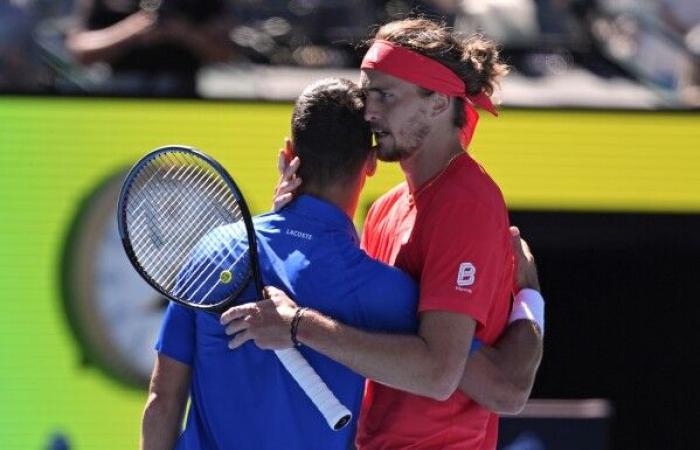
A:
(295, 324)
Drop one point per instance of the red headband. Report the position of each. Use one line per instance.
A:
(400, 62)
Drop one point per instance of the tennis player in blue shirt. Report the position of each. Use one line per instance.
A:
(246, 399)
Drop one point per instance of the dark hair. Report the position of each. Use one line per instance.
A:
(329, 132)
(475, 60)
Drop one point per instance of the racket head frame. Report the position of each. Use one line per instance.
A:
(217, 308)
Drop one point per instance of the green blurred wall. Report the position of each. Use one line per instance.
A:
(53, 152)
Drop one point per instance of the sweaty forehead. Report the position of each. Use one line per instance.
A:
(375, 80)
(365, 81)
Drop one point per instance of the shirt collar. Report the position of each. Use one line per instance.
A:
(323, 211)
(458, 162)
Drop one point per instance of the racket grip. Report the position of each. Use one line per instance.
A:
(336, 415)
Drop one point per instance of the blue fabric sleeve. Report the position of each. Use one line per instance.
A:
(476, 345)
(389, 302)
(177, 334)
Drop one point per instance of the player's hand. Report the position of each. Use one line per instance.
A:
(267, 322)
(141, 25)
(525, 269)
(289, 182)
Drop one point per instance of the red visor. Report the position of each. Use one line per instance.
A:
(400, 62)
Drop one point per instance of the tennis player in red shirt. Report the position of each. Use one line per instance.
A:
(447, 226)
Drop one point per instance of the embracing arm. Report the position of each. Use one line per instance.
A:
(429, 364)
(501, 377)
(167, 398)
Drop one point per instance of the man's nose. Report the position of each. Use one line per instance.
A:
(371, 111)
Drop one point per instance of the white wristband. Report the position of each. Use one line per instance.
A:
(528, 304)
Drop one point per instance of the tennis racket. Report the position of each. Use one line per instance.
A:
(188, 232)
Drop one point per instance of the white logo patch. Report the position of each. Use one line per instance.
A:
(299, 234)
(466, 276)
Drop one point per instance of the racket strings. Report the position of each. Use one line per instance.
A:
(194, 203)
(150, 231)
(181, 243)
(215, 270)
(195, 208)
(141, 231)
(168, 271)
(200, 178)
(194, 274)
(148, 181)
(242, 275)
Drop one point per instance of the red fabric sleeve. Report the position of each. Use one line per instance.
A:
(463, 259)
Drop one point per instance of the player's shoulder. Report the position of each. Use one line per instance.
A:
(472, 185)
(468, 199)
(378, 276)
(222, 237)
(384, 203)
(397, 191)
(389, 298)
(392, 196)
(383, 298)
(268, 220)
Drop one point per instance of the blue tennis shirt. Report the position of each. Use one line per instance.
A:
(244, 398)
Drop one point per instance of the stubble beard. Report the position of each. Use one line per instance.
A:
(413, 136)
(390, 154)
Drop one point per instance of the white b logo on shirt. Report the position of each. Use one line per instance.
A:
(466, 274)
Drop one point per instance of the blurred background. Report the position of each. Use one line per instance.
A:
(596, 150)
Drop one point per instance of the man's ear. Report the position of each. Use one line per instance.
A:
(371, 163)
(439, 103)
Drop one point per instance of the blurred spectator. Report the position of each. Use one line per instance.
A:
(653, 40)
(681, 15)
(154, 47)
(20, 68)
(509, 22)
(683, 18)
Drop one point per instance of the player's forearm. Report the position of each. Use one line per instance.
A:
(161, 422)
(405, 362)
(501, 377)
(108, 43)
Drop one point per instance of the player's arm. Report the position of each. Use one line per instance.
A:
(429, 364)
(89, 46)
(170, 380)
(500, 377)
(167, 398)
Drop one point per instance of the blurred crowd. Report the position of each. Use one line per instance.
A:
(156, 47)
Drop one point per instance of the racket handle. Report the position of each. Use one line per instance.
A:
(336, 415)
